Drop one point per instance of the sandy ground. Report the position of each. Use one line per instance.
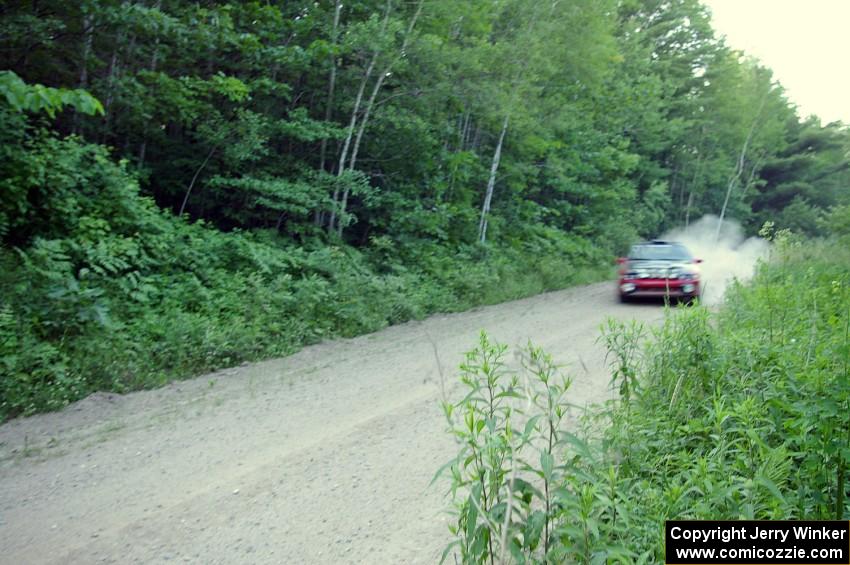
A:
(322, 457)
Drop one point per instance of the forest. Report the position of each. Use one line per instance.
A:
(188, 185)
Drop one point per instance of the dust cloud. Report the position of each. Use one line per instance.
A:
(731, 256)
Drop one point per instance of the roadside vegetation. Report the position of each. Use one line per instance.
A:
(116, 294)
(187, 185)
(739, 414)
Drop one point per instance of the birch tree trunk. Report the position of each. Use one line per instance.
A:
(352, 124)
(195, 178)
(114, 71)
(154, 60)
(733, 180)
(347, 143)
(379, 83)
(344, 204)
(88, 32)
(110, 85)
(491, 183)
(751, 179)
(319, 217)
(697, 170)
(465, 132)
(739, 168)
(331, 84)
(476, 138)
(674, 185)
(688, 208)
(371, 104)
(497, 155)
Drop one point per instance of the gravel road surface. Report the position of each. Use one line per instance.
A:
(321, 457)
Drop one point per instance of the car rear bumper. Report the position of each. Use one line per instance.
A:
(659, 287)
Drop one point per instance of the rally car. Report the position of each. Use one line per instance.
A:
(659, 268)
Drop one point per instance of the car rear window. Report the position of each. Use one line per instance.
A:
(659, 252)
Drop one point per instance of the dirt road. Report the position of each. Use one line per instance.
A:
(321, 457)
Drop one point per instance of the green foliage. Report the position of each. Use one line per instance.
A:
(21, 96)
(34, 374)
(801, 217)
(837, 221)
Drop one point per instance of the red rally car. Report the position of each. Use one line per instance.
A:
(659, 268)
